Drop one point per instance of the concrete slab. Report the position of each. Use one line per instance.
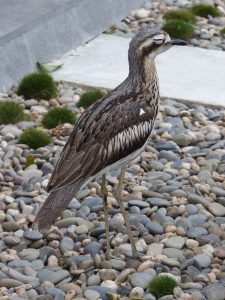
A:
(41, 30)
(186, 73)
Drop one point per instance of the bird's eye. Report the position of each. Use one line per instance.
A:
(159, 39)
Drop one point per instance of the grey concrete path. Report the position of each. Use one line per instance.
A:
(41, 30)
(185, 73)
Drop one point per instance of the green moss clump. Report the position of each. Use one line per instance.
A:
(204, 10)
(179, 29)
(35, 138)
(162, 286)
(58, 115)
(89, 98)
(185, 15)
(37, 86)
(222, 31)
(11, 112)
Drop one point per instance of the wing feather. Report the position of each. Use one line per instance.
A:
(106, 132)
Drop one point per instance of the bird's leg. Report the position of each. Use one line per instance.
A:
(105, 208)
(124, 213)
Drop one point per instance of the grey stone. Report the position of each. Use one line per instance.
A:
(10, 226)
(29, 254)
(195, 199)
(167, 297)
(93, 248)
(17, 263)
(158, 201)
(33, 235)
(183, 139)
(127, 250)
(159, 176)
(81, 229)
(91, 202)
(55, 292)
(191, 209)
(196, 232)
(142, 279)
(139, 203)
(21, 277)
(118, 264)
(172, 252)
(47, 168)
(218, 191)
(154, 228)
(215, 291)
(101, 290)
(94, 279)
(155, 249)
(197, 219)
(11, 240)
(13, 129)
(202, 261)
(74, 203)
(37, 264)
(91, 295)
(175, 242)
(10, 283)
(66, 244)
(217, 209)
(168, 155)
(56, 277)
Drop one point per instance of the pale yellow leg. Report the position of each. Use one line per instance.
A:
(124, 213)
(105, 208)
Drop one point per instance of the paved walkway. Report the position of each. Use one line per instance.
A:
(42, 30)
(186, 73)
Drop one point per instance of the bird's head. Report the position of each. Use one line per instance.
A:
(149, 42)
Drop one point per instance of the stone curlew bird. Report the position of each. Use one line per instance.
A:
(111, 133)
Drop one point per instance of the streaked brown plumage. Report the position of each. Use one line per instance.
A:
(113, 131)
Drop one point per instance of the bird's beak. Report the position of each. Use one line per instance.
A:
(178, 42)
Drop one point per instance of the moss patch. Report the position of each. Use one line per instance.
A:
(89, 98)
(162, 286)
(37, 86)
(204, 10)
(58, 115)
(11, 112)
(179, 29)
(35, 138)
(185, 15)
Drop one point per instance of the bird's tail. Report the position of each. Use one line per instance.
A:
(56, 202)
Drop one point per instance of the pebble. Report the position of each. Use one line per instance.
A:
(102, 291)
(217, 209)
(175, 242)
(202, 261)
(215, 291)
(33, 235)
(142, 279)
(29, 254)
(66, 244)
(91, 295)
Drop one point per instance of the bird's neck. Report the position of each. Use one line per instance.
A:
(143, 74)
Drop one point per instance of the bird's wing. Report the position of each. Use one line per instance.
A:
(105, 133)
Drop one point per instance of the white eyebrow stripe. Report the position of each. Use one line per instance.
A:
(141, 111)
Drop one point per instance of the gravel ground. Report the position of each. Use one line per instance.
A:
(207, 30)
(174, 193)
